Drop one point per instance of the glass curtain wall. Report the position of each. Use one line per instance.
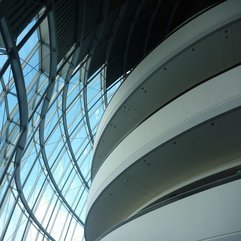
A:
(49, 114)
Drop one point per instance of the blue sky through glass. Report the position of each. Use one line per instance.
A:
(52, 168)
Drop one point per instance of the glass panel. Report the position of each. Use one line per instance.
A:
(51, 169)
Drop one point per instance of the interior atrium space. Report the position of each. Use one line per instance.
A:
(120, 120)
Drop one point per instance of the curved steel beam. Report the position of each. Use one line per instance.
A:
(53, 182)
(34, 28)
(21, 93)
(20, 85)
(49, 93)
(75, 58)
(5, 66)
(64, 99)
(23, 109)
(96, 39)
(85, 100)
(6, 131)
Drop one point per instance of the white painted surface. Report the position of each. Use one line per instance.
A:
(195, 30)
(214, 215)
(189, 110)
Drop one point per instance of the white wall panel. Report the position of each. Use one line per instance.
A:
(214, 215)
(189, 110)
(198, 50)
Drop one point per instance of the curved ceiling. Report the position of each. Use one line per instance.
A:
(119, 32)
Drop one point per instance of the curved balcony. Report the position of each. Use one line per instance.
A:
(196, 52)
(213, 215)
(174, 121)
(192, 137)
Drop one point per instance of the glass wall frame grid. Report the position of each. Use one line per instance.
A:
(45, 150)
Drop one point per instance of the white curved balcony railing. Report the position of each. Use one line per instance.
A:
(214, 214)
(199, 50)
(121, 172)
(193, 108)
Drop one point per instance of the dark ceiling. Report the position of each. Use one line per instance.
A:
(117, 32)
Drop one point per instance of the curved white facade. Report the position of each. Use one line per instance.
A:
(199, 50)
(173, 122)
(187, 220)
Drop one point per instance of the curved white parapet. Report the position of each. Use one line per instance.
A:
(212, 98)
(213, 215)
(203, 47)
(193, 136)
(175, 120)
